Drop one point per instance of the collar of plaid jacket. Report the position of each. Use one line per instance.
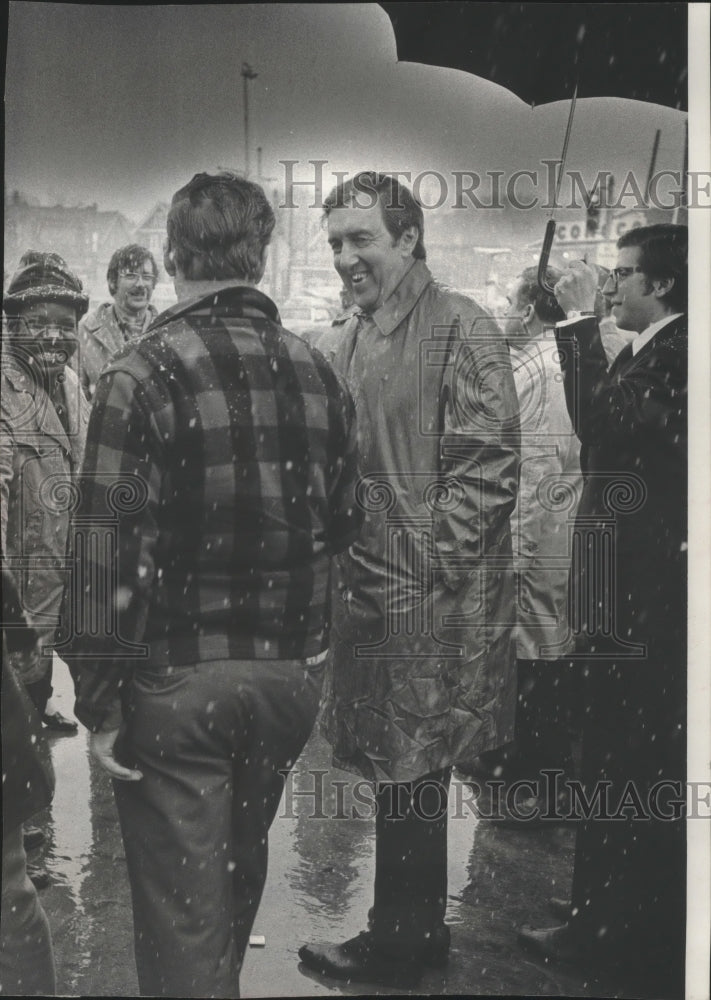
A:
(242, 300)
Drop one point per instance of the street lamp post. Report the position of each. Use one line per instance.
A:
(247, 75)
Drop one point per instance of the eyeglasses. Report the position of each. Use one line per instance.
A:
(133, 277)
(618, 274)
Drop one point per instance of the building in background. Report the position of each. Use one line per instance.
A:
(84, 236)
(476, 251)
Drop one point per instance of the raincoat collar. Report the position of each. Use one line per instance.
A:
(403, 299)
(105, 328)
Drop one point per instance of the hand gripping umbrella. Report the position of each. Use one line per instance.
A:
(544, 53)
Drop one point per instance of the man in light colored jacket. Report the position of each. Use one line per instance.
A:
(43, 420)
(549, 494)
(131, 277)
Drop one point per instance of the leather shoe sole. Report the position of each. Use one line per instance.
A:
(358, 961)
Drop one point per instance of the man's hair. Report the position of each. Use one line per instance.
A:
(530, 292)
(399, 207)
(664, 250)
(128, 258)
(218, 228)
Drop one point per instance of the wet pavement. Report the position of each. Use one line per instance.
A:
(319, 886)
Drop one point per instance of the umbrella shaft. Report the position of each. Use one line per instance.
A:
(564, 154)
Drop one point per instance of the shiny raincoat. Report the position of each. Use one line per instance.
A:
(37, 461)
(423, 670)
(549, 493)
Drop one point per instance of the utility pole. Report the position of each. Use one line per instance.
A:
(247, 75)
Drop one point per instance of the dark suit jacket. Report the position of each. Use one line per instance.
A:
(632, 422)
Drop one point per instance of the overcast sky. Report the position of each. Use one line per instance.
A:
(121, 105)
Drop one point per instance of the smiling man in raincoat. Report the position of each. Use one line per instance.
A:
(43, 423)
(423, 670)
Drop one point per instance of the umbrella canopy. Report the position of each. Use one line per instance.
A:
(544, 52)
(541, 51)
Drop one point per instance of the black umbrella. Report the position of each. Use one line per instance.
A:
(546, 52)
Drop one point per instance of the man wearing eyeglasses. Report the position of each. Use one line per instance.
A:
(629, 603)
(131, 277)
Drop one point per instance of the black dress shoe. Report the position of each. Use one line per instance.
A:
(59, 723)
(435, 950)
(32, 838)
(38, 876)
(359, 960)
(557, 944)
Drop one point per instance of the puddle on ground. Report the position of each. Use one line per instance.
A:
(69, 831)
(321, 873)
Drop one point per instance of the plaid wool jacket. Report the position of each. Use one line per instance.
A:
(219, 479)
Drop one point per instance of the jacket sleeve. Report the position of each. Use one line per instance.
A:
(609, 408)
(18, 634)
(479, 450)
(121, 473)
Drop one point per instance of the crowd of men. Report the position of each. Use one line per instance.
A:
(462, 539)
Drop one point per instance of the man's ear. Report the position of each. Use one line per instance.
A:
(408, 240)
(169, 259)
(662, 286)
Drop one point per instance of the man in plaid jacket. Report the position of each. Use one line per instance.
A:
(223, 447)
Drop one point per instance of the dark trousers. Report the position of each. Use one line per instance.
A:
(629, 883)
(543, 714)
(211, 741)
(26, 959)
(410, 862)
(41, 691)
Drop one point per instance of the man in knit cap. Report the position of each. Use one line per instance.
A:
(131, 277)
(42, 433)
